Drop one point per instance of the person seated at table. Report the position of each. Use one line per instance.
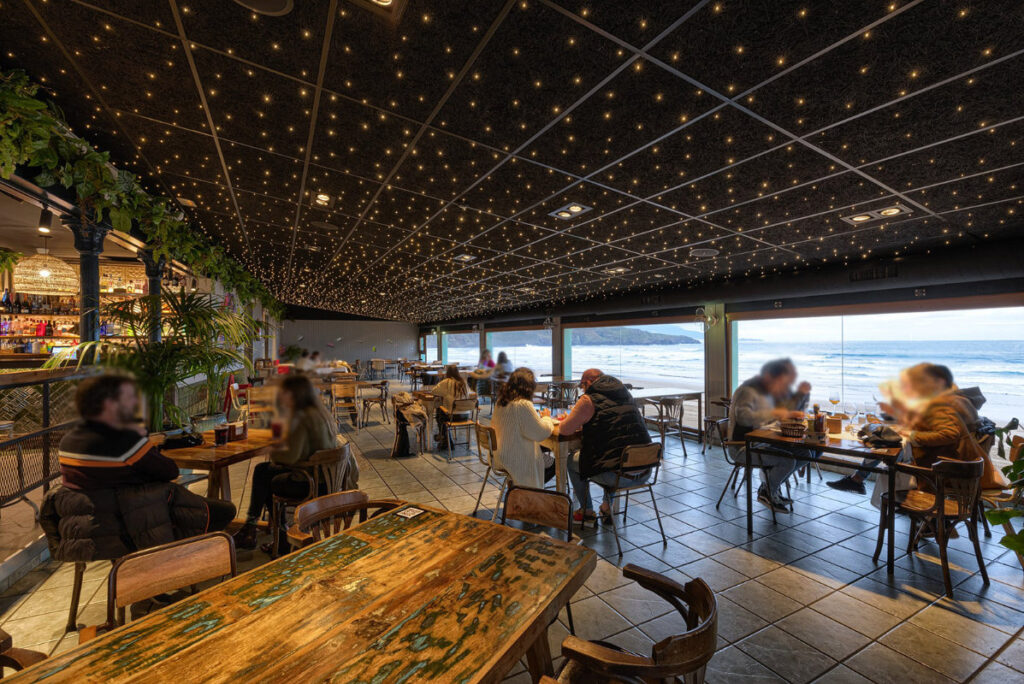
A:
(755, 404)
(485, 360)
(520, 430)
(304, 363)
(483, 372)
(608, 421)
(310, 429)
(315, 360)
(450, 388)
(933, 416)
(109, 450)
(795, 400)
(503, 367)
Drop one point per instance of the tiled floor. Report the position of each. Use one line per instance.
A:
(801, 601)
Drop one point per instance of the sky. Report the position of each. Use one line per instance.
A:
(964, 324)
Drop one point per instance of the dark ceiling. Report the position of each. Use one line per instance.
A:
(750, 128)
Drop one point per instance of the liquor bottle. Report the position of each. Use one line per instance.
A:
(5, 303)
(49, 329)
(24, 304)
(819, 421)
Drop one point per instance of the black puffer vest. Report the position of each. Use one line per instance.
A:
(616, 424)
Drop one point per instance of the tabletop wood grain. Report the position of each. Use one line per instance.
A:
(209, 455)
(440, 597)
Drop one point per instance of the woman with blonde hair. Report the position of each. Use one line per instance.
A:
(934, 417)
(520, 430)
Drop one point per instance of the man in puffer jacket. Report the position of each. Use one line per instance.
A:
(118, 494)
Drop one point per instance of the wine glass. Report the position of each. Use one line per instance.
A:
(834, 399)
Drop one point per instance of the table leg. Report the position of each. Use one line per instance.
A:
(561, 463)
(538, 657)
(700, 422)
(890, 562)
(225, 484)
(213, 488)
(750, 491)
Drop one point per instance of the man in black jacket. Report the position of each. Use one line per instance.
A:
(109, 450)
(609, 421)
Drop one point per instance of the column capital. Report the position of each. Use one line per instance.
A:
(88, 235)
(154, 266)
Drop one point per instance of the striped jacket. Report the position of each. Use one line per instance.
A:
(94, 455)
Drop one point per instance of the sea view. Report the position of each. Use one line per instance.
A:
(854, 369)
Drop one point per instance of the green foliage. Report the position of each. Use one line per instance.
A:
(1015, 473)
(199, 335)
(8, 259)
(32, 133)
(291, 353)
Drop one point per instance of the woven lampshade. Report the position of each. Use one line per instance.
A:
(43, 274)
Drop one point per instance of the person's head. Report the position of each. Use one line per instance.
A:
(315, 356)
(520, 385)
(485, 355)
(589, 376)
(925, 380)
(452, 371)
(297, 393)
(791, 369)
(775, 377)
(111, 399)
(305, 353)
(502, 357)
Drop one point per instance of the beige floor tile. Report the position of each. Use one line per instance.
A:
(825, 634)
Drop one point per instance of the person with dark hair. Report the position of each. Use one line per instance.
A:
(451, 387)
(110, 450)
(310, 429)
(520, 430)
(756, 403)
(933, 415)
(305, 363)
(503, 367)
(608, 421)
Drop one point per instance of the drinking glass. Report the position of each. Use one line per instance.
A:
(834, 399)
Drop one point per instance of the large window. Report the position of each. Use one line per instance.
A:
(849, 356)
(462, 348)
(661, 355)
(530, 348)
(429, 348)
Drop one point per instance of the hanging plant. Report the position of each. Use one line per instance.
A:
(32, 133)
(8, 259)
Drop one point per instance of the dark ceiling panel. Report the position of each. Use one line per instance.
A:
(460, 222)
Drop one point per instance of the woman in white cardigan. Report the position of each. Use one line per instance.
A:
(520, 430)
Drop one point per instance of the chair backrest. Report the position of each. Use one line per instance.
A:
(539, 507)
(690, 651)
(959, 482)
(326, 467)
(377, 364)
(327, 515)
(467, 405)
(343, 390)
(641, 456)
(486, 438)
(161, 569)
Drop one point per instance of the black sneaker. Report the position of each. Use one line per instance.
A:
(847, 484)
(774, 504)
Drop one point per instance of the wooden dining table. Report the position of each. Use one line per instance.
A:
(216, 459)
(561, 446)
(438, 597)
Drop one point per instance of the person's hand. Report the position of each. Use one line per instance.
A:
(804, 387)
(796, 415)
(545, 412)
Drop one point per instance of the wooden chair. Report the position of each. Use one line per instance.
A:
(542, 394)
(326, 516)
(463, 416)
(323, 473)
(1011, 497)
(681, 657)
(635, 460)
(954, 499)
(344, 400)
(381, 401)
(710, 430)
(487, 440)
(16, 658)
(541, 507)
(668, 421)
(162, 569)
(722, 427)
(378, 369)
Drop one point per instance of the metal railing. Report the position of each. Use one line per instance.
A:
(28, 462)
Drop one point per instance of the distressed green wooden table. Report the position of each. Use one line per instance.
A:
(438, 597)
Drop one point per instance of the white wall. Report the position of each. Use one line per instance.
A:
(351, 340)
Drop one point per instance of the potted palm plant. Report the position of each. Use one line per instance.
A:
(198, 333)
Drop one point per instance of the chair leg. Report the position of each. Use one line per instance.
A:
(972, 531)
(481, 494)
(76, 595)
(501, 497)
(568, 614)
(743, 481)
(682, 441)
(657, 515)
(984, 520)
(615, 531)
(914, 532)
(625, 509)
(817, 468)
(728, 483)
(274, 524)
(881, 533)
(942, 540)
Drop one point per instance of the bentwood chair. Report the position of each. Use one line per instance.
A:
(463, 416)
(162, 569)
(326, 516)
(710, 430)
(682, 657)
(378, 369)
(324, 472)
(380, 400)
(345, 403)
(738, 464)
(954, 499)
(487, 440)
(16, 658)
(636, 459)
(669, 418)
(541, 507)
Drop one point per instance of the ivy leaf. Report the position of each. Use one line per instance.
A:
(1014, 542)
(1003, 515)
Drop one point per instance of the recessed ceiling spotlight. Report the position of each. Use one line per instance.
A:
(571, 210)
(271, 8)
(884, 212)
(860, 218)
(186, 202)
(465, 258)
(618, 270)
(704, 252)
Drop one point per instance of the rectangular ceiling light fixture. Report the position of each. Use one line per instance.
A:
(465, 258)
(876, 214)
(322, 200)
(570, 211)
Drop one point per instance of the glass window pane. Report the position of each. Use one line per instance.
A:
(660, 355)
(430, 351)
(462, 348)
(530, 348)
